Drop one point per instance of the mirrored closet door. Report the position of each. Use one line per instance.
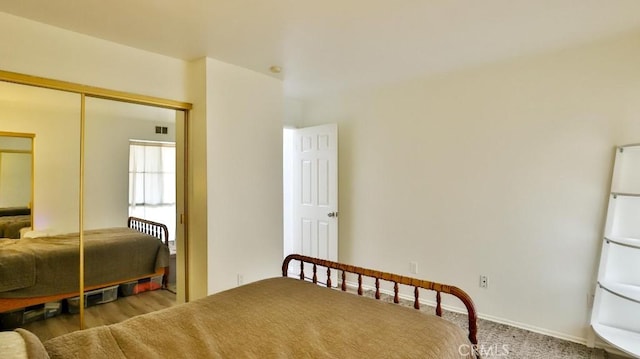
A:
(86, 168)
(130, 173)
(39, 203)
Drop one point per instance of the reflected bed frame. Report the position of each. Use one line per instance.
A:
(391, 278)
(154, 229)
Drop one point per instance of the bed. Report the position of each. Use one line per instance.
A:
(44, 269)
(283, 318)
(12, 220)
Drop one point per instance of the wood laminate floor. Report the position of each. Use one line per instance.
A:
(103, 314)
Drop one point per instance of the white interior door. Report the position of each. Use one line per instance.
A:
(315, 192)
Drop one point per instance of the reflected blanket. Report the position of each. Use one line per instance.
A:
(49, 265)
(10, 226)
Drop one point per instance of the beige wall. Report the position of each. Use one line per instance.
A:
(244, 175)
(501, 170)
(36, 49)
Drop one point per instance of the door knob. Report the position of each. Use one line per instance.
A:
(332, 214)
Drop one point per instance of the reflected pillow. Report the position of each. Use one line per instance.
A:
(33, 234)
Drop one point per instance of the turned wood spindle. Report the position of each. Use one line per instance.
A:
(395, 293)
(391, 278)
(315, 277)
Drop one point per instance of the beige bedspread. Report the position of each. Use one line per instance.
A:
(17, 266)
(273, 318)
(110, 255)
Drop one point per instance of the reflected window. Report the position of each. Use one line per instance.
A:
(152, 183)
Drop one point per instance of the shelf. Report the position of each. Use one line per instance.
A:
(616, 310)
(626, 291)
(627, 242)
(626, 340)
(630, 145)
(625, 194)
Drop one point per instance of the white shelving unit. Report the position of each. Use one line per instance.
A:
(616, 308)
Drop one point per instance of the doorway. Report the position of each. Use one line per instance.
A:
(310, 190)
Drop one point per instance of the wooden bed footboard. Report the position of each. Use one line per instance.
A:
(157, 230)
(392, 278)
(151, 228)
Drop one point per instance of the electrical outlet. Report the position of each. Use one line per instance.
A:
(484, 281)
(240, 279)
(413, 267)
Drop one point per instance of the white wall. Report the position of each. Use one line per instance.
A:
(501, 170)
(244, 174)
(287, 189)
(37, 49)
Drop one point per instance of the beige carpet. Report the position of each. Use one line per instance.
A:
(504, 341)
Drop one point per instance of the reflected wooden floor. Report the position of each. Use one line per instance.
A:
(103, 314)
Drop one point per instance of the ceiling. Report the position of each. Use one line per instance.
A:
(334, 45)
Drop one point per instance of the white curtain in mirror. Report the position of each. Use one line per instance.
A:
(152, 181)
(152, 171)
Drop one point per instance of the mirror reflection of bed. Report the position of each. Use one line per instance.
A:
(130, 170)
(111, 129)
(48, 119)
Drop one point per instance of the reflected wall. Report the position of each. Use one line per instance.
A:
(54, 118)
(109, 129)
(15, 170)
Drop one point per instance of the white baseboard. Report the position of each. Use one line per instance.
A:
(598, 343)
(601, 344)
